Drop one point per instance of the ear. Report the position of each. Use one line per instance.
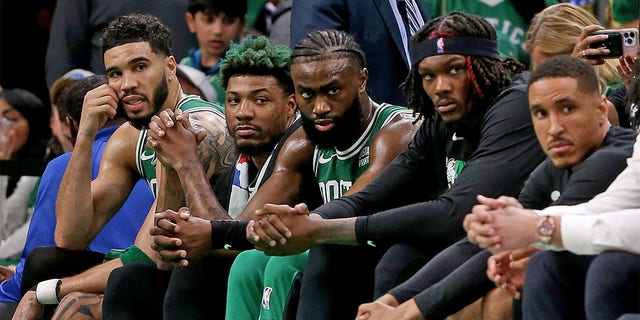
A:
(191, 21)
(171, 67)
(292, 105)
(608, 111)
(364, 77)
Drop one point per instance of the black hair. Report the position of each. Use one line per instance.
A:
(257, 57)
(328, 43)
(489, 76)
(138, 28)
(567, 67)
(231, 8)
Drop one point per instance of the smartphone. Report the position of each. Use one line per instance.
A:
(621, 42)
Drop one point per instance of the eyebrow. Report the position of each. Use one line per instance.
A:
(131, 62)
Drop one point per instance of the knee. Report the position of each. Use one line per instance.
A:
(79, 305)
(248, 266)
(612, 267)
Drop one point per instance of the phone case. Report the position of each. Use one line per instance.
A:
(621, 42)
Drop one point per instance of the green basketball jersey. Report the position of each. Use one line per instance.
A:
(146, 158)
(336, 170)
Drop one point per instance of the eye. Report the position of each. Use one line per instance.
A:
(261, 100)
(140, 67)
(455, 70)
(567, 109)
(306, 94)
(114, 74)
(233, 100)
(427, 76)
(228, 20)
(334, 91)
(539, 114)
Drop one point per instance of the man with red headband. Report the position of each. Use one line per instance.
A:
(476, 138)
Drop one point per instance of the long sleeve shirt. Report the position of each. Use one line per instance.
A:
(610, 221)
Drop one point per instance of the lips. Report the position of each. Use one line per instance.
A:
(324, 124)
(445, 105)
(244, 131)
(558, 146)
(133, 102)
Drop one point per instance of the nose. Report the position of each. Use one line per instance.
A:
(442, 84)
(555, 124)
(244, 110)
(216, 26)
(321, 106)
(128, 82)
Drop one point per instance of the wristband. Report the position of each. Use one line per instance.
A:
(47, 291)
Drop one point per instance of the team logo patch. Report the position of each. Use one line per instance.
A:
(440, 45)
(266, 295)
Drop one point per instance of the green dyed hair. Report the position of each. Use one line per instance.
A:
(257, 57)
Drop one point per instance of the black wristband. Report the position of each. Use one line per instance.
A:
(229, 234)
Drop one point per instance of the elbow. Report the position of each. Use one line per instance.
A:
(65, 242)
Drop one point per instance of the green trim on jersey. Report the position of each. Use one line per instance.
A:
(146, 158)
(336, 170)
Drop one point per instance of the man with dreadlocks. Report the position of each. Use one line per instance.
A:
(476, 138)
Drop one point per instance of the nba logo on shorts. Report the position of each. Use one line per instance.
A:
(266, 295)
(440, 45)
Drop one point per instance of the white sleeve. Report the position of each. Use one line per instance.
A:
(593, 234)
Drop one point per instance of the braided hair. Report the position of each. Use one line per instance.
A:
(489, 76)
(328, 43)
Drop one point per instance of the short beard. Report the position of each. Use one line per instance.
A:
(256, 149)
(159, 97)
(343, 129)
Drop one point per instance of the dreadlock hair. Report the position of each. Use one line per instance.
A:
(488, 76)
(257, 57)
(138, 28)
(328, 43)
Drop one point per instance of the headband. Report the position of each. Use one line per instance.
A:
(453, 45)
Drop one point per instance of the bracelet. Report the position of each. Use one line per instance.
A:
(47, 291)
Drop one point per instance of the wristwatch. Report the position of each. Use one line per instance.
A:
(546, 230)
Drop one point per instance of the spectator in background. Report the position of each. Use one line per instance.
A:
(216, 23)
(76, 28)
(25, 139)
(58, 122)
(120, 232)
(510, 18)
(377, 26)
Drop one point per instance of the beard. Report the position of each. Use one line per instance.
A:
(252, 149)
(343, 129)
(160, 94)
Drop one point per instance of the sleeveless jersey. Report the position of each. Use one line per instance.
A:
(336, 170)
(146, 158)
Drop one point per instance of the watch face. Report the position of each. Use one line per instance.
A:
(545, 228)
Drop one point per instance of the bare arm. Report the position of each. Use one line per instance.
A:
(196, 149)
(284, 184)
(308, 231)
(84, 206)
